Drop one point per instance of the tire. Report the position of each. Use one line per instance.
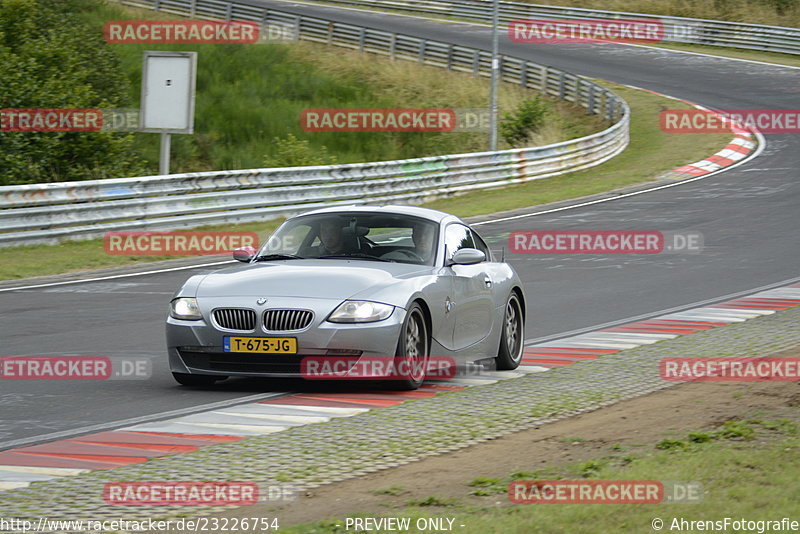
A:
(197, 380)
(509, 355)
(413, 346)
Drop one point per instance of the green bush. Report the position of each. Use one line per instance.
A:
(516, 128)
(293, 152)
(49, 58)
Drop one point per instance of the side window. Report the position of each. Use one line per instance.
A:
(457, 237)
(480, 244)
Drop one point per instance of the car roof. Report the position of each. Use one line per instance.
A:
(414, 211)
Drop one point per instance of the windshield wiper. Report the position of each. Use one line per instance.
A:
(267, 257)
(357, 255)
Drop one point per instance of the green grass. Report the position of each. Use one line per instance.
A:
(755, 479)
(651, 152)
(74, 256)
(250, 96)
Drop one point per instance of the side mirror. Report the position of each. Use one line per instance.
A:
(467, 256)
(244, 254)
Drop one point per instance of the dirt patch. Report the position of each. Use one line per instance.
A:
(670, 413)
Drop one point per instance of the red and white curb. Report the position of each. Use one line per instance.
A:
(738, 149)
(592, 345)
(139, 443)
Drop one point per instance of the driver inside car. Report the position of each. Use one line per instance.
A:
(331, 238)
(423, 237)
(336, 239)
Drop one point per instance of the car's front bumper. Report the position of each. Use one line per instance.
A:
(196, 347)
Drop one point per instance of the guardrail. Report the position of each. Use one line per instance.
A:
(676, 29)
(47, 213)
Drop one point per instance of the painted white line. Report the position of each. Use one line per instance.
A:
(333, 410)
(714, 56)
(300, 419)
(112, 277)
(791, 292)
(758, 151)
(501, 375)
(192, 428)
(54, 471)
(568, 343)
(434, 18)
(630, 336)
(712, 318)
(532, 368)
(116, 425)
(13, 485)
(735, 312)
(668, 313)
(16, 476)
(258, 429)
(600, 339)
(466, 382)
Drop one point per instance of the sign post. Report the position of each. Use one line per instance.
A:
(168, 92)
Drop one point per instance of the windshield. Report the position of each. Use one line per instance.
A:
(368, 236)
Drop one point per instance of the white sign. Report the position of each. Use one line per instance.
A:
(168, 87)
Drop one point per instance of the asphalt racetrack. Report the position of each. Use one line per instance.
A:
(748, 217)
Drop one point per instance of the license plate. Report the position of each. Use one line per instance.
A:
(261, 345)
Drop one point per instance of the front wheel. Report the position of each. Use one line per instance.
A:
(411, 358)
(509, 355)
(196, 380)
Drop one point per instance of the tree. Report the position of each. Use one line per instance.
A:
(49, 58)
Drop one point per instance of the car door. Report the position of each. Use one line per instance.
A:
(472, 291)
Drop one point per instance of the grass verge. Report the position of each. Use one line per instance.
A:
(747, 468)
(250, 97)
(650, 153)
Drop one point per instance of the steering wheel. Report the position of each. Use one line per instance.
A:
(405, 253)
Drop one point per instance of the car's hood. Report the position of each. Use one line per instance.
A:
(338, 279)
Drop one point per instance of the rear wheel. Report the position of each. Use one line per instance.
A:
(197, 380)
(509, 355)
(411, 358)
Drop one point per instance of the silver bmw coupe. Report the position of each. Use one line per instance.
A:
(395, 284)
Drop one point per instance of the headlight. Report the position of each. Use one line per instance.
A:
(185, 308)
(360, 311)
